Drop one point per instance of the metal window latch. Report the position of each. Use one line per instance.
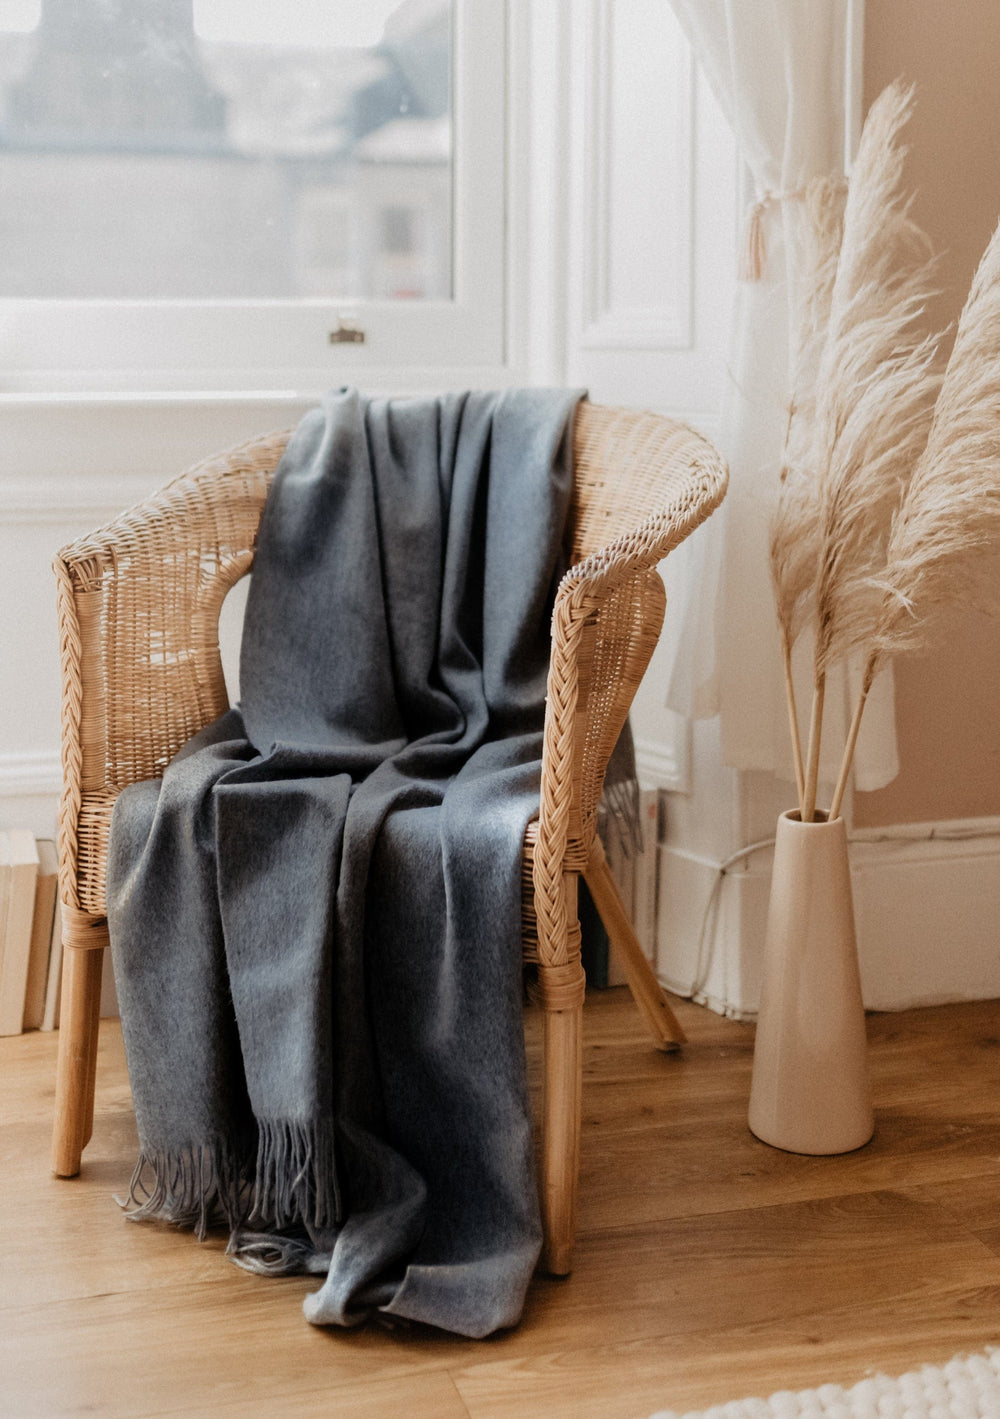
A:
(348, 332)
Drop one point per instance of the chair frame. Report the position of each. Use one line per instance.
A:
(139, 604)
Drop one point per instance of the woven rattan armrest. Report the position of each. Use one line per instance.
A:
(606, 621)
(139, 604)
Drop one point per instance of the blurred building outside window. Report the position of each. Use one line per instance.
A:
(211, 150)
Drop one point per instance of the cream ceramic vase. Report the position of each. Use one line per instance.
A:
(810, 1091)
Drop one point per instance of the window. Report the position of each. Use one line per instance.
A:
(208, 193)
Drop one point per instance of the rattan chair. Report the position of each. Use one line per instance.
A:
(139, 606)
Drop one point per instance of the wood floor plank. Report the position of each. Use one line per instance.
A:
(640, 1175)
(709, 1266)
(410, 1395)
(707, 1367)
(68, 1237)
(723, 1269)
(192, 1348)
(28, 1067)
(917, 1057)
(974, 1202)
(66, 1240)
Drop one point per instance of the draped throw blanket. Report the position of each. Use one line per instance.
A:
(315, 914)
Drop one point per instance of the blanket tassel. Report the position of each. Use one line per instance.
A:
(201, 1185)
(198, 1185)
(296, 1177)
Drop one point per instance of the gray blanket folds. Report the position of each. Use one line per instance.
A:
(315, 914)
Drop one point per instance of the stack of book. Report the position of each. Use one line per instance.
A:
(634, 867)
(30, 937)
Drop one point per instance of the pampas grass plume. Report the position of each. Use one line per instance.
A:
(951, 511)
(949, 518)
(856, 432)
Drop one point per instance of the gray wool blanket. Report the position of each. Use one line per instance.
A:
(315, 914)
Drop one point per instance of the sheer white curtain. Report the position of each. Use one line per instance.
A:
(785, 74)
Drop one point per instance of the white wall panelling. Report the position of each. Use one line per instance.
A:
(638, 145)
(650, 263)
(652, 202)
(925, 913)
(538, 215)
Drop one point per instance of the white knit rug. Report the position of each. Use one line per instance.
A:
(967, 1387)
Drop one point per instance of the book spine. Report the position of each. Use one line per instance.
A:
(646, 874)
(621, 863)
(6, 887)
(41, 935)
(53, 986)
(23, 859)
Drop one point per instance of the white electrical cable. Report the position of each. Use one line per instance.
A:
(959, 831)
(701, 975)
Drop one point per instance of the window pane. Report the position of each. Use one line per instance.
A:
(226, 149)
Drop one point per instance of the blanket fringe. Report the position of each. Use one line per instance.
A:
(198, 1185)
(203, 1184)
(296, 1180)
(278, 1253)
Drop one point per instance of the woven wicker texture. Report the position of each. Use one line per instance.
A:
(967, 1387)
(139, 605)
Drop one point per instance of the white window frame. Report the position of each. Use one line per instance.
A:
(72, 346)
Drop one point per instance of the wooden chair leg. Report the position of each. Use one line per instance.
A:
(561, 1136)
(562, 991)
(79, 1016)
(646, 991)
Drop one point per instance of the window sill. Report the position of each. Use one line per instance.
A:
(145, 436)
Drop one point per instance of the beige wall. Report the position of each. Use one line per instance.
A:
(948, 700)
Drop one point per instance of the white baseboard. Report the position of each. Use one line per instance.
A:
(30, 773)
(30, 784)
(926, 903)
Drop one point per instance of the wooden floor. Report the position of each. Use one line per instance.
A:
(709, 1265)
